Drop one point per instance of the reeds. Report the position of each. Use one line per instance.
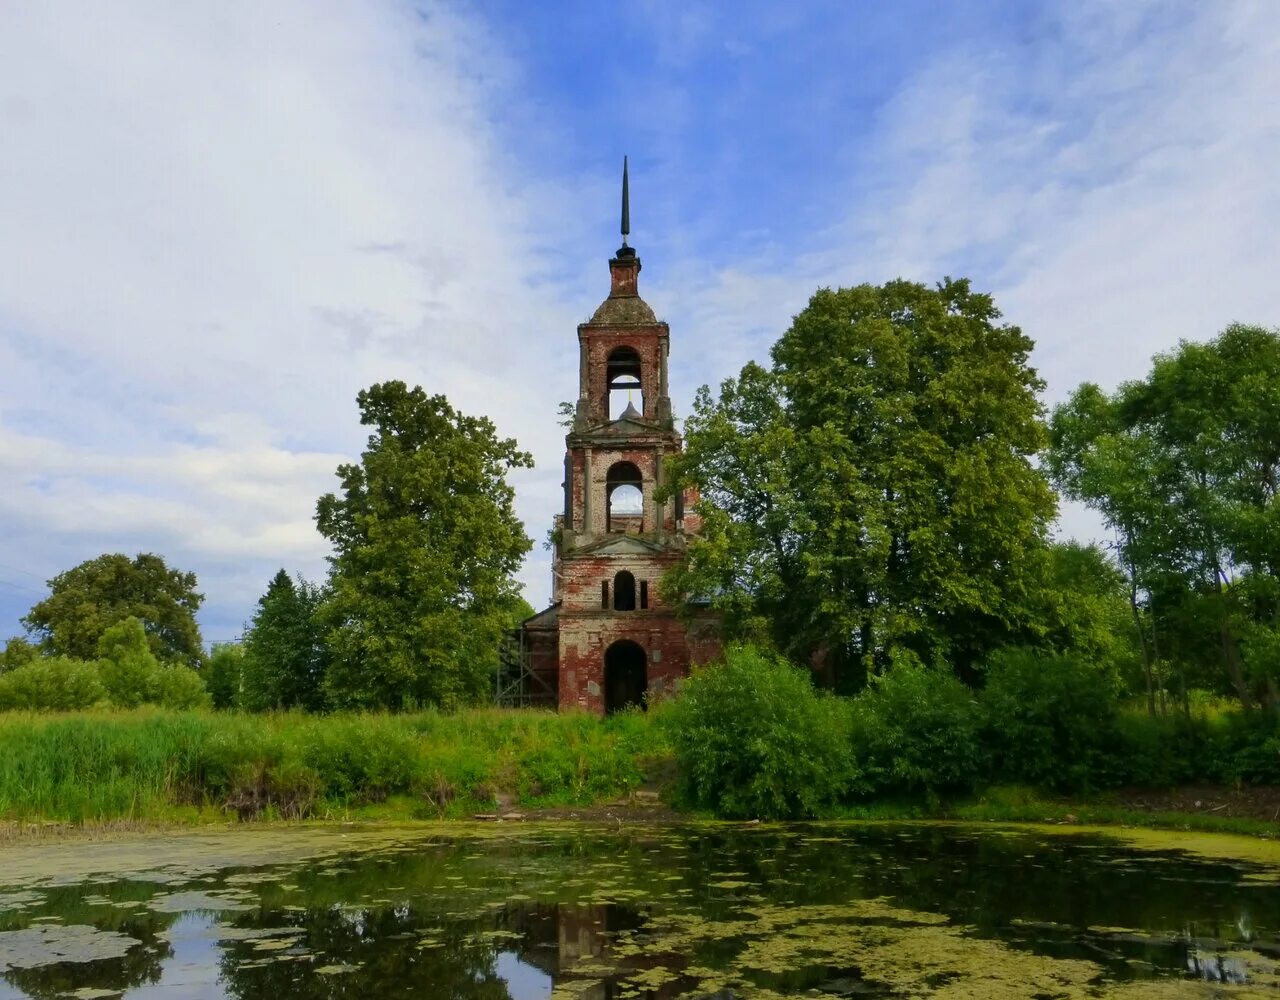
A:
(153, 764)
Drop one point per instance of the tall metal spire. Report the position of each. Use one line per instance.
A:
(626, 204)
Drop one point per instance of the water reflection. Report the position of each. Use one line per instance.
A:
(660, 914)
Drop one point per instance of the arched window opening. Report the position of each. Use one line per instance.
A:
(644, 595)
(624, 498)
(624, 591)
(624, 386)
(626, 676)
(604, 594)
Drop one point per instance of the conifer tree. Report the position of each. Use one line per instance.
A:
(284, 656)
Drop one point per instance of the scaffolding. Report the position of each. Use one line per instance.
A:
(517, 684)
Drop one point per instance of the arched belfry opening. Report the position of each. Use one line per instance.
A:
(611, 637)
(624, 591)
(624, 498)
(625, 386)
(626, 678)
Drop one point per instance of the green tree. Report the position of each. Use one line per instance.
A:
(426, 544)
(17, 652)
(51, 683)
(85, 601)
(224, 675)
(1084, 608)
(1185, 466)
(129, 669)
(132, 675)
(874, 491)
(284, 651)
(753, 739)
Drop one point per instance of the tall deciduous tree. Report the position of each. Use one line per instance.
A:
(284, 650)
(873, 493)
(86, 601)
(1185, 465)
(426, 547)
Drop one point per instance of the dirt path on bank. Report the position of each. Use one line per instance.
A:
(1260, 802)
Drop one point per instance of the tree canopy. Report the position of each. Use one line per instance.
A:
(426, 547)
(1184, 465)
(284, 651)
(873, 493)
(85, 601)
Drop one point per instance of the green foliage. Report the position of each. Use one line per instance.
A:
(426, 544)
(1050, 718)
(918, 730)
(753, 739)
(1185, 467)
(127, 675)
(284, 651)
(52, 683)
(874, 490)
(149, 762)
(181, 687)
(224, 675)
(17, 652)
(86, 601)
(1085, 607)
(130, 671)
(1216, 747)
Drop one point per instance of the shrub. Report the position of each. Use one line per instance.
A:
(17, 652)
(361, 758)
(181, 688)
(224, 675)
(1253, 753)
(55, 683)
(130, 671)
(918, 730)
(1051, 719)
(754, 739)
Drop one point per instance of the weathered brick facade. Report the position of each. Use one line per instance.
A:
(617, 641)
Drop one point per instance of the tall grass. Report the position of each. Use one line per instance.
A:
(153, 763)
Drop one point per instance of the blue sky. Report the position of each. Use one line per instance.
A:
(221, 222)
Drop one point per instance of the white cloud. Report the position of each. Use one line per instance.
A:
(1112, 184)
(220, 223)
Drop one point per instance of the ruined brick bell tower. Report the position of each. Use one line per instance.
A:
(616, 643)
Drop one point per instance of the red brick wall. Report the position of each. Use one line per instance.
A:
(645, 341)
(584, 639)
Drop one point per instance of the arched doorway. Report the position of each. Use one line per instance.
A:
(626, 677)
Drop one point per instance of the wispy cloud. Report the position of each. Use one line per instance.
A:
(220, 223)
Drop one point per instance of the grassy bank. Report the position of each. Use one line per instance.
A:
(117, 769)
(1027, 806)
(157, 765)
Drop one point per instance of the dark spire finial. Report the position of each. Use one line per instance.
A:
(626, 204)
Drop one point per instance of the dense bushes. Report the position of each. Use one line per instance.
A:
(126, 675)
(55, 683)
(150, 763)
(753, 738)
(750, 737)
(918, 730)
(1050, 719)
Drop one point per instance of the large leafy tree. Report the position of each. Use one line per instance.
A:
(873, 494)
(1185, 466)
(426, 547)
(86, 601)
(284, 649)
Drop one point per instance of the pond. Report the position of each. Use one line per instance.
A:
(529, 912)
